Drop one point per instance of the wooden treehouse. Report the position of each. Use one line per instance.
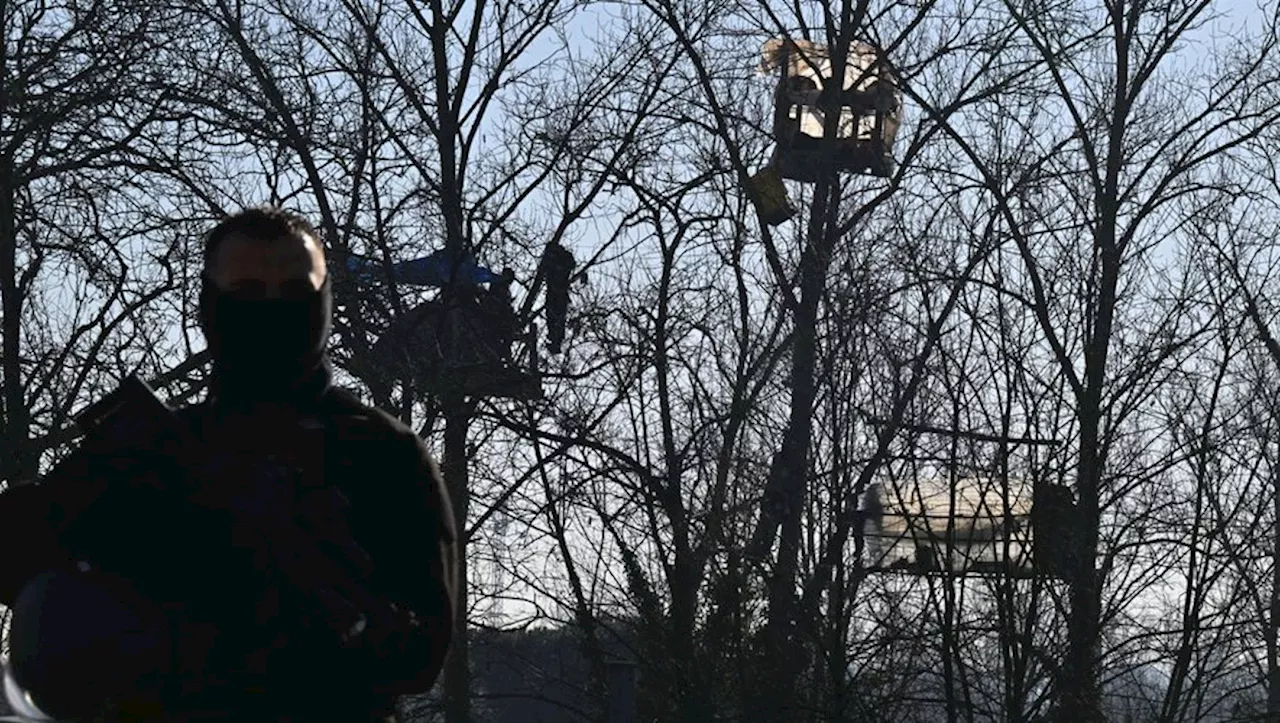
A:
(462, 342)
(821, 126)
(969, 525)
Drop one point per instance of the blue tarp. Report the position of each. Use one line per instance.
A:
(433, 270)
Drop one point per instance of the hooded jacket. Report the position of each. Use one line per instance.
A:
(272, 402)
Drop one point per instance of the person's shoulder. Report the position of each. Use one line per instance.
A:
(341, 406)
(397, 445)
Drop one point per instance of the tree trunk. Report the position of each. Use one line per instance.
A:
(1270, 633)
(17, 462)
(457, 668)
(784, 499)
(1081, 694)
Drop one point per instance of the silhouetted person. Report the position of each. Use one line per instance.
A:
(310, 575)
(557, 266)
(926, 558)
(499, 307)
(1054, 521)
(873, 509)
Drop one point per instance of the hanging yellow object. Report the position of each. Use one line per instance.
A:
(770, 197)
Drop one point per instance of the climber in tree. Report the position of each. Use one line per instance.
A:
(557, 267)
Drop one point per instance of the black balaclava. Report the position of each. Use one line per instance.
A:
(267, 350)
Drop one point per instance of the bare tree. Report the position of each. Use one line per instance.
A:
(1023, 299)
(1117, 181)
(412, 129)
(84, 247)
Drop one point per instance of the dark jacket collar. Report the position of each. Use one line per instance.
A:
(304, 396)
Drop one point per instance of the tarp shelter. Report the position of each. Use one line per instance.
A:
(437, 270)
